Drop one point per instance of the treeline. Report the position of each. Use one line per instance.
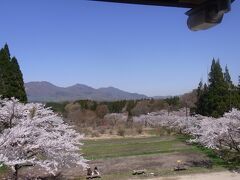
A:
(219, 95)
(94, 118)
(11, 78)
(132, 107)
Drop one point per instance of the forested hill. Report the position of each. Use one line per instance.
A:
(47, 92)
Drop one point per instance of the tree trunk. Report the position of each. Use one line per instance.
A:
(16, 167)
(12, 116)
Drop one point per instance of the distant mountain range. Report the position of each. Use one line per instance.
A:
(47, 92)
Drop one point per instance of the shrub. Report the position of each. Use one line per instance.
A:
(121, 131)
(95, 134)
(110, 131)
(102, 130)
(139, 129)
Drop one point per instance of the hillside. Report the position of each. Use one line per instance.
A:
(46, 92)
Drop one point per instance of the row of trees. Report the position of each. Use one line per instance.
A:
(35, 135)
(11, 78)
(219, 95)
(221, 134)
(132, 107)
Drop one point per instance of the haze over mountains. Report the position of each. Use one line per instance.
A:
(46, 92)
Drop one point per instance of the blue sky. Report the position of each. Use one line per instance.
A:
(142, 49)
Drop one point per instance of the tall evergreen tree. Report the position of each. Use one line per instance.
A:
(11, 80)
(216, 77)
(239, 82)
(2, 85)
(18, 83)
(227, 78)
(218, 91)
(6, 49)
(215, 99)
(199, 95)
(5, 70)
(200, 89)
(202, 100)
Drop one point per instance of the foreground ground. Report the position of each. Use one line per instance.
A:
(116, 158)
(210, 176)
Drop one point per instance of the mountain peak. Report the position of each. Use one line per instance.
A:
(44, 91)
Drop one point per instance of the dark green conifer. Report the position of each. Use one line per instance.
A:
(11, 80)
(5, 71)
(227, 77)
(216, 98)
(18, 84)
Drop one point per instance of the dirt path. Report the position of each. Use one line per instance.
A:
(126, 164)
(226, 175)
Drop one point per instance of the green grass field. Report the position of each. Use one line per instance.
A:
(110, 148)
(113, 150)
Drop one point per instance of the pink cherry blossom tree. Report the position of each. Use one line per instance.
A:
(35, 135)
(220, 134)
